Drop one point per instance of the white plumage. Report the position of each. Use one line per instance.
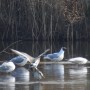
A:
(78, 60)
(19, 60)
(22, 59)
(56, 56)
(34, 66)
(36, 63)
(7, 67)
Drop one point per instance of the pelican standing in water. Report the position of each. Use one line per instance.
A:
(7, 67)
(78, 60)
(23, 58)
(56, 56)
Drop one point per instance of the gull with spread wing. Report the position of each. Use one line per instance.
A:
(23, 58)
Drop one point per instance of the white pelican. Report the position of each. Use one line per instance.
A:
(7, 67)
(56, 56)
(23, 58)
(78, 60)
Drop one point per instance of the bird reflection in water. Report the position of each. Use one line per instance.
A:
(54, 73)
(36, 74)
(77, 77)
(21, 74)
(37, 86)
(78, 72)
(7, 82)
(54, 70)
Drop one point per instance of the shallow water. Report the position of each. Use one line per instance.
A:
(57, 76)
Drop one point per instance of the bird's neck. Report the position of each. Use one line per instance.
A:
(61, 51)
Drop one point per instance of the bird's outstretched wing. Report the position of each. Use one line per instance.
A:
(41, 54)
(44, 52)
(23, 54)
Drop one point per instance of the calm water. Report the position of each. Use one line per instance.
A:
(57, 76)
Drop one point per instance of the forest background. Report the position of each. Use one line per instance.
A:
(64, 20)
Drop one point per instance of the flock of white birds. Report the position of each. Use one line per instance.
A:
(23, 58)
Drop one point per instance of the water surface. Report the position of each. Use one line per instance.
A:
(57, 76)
